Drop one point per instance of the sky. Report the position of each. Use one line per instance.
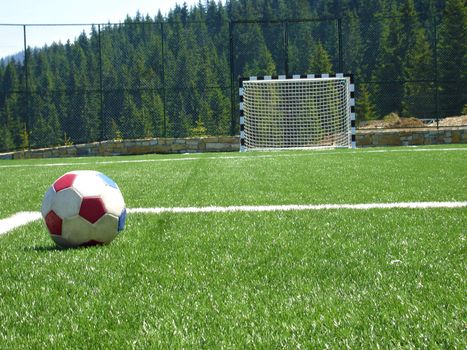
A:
(67, 12)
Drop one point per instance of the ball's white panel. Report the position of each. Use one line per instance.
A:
(87, 184)
(106, 228)
(76, 231)
(66, 203)
(47, 201)
(83, 172)
(113, 200)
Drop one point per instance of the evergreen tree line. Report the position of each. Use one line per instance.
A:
(176, 76)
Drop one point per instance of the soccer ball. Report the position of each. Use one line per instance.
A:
(83, 208)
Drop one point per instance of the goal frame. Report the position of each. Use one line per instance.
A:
(349, 76)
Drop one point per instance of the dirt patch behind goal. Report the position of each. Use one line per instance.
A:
(393, 121)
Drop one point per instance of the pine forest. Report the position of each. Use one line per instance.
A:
(177, 75)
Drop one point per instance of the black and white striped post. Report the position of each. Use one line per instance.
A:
(353, 142)
(353, 127)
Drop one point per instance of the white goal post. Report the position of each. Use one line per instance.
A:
(297, 111)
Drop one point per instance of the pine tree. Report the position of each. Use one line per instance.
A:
(50, 115)
(353, 48)
(220, 109)
(319, 62)
(365, 108)
(452, 56)
(389, 64)
(132, 121)
(253, 58)
(12, 105)
(301, 44)
(374, 28)
(7, 128)
(152, 108)
(417, 63)
(6, 139)
(39, 133)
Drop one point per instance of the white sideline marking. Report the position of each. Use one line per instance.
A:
(17, 220)
(244, 157)
(23, 218)
(300, 207)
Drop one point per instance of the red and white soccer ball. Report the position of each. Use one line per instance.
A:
(83, 208)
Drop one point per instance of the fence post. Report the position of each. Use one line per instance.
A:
(164, 98)
(286, 47)
(26, 85)
(101, 84)
(435, 57)
(233, 109)
(339, 38)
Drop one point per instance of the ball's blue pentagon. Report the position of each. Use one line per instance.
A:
(108, 181)
(121, 220)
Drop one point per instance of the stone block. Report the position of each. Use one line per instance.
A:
(138, 150)
(83, 151)
(364, 140)
(167, 141)
(5, 156)
(210, 139)
(193, 142)
(177, 147)
(161, 149)
(418, 139)
(217, 146)
(389, 139)
(456, 136)
(229, 139)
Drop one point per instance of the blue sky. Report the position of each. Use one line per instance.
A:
(70, 12)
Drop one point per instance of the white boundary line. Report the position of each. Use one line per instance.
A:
(245, 156)
(23, 218)
(17, 220)
(301, 207)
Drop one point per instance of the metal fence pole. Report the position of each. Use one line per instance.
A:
(164, 97)
(340, 46)
(435, 58)
(286, 47)
(233, 110)
(101, 89)
(26, 83)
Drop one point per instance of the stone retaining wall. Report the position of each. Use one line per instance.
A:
(365, 138)
(132, 147)
(411, 137)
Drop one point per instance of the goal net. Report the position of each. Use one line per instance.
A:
(297, 112)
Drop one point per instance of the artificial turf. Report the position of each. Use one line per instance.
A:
(381, 278)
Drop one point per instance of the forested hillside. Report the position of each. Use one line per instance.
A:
(176, 76)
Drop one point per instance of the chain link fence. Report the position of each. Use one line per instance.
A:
(175, 79)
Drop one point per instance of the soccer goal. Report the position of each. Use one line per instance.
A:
(295, 112)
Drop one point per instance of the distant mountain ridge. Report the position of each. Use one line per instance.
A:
(18, 57)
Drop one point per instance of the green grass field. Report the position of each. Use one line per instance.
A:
(380, 278)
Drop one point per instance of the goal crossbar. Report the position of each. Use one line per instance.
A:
(297, 112)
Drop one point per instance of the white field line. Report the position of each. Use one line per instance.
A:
(243, 157)
(17, 220)
(300, 207)
(23, 218)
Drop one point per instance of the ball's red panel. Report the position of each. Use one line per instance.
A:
(54, 223)
(92, 209)
(65, 181)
